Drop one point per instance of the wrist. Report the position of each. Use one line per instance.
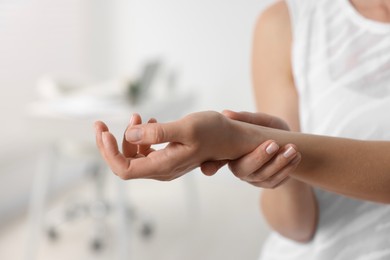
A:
(246, 137)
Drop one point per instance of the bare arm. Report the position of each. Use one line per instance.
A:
(360, 169)
(291, 208)
(355, 168)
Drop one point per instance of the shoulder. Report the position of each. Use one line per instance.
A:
(281, 22)
(287, 13)
(273, 28)
(274, 21)
(276, 14)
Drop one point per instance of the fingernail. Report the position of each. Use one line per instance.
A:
(131, 120)
(272, 148)
(95, 127)
(133, 135)
(289, 152)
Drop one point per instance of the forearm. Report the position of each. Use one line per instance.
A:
(291, 210)
(360, 169)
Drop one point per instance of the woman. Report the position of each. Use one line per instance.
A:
(321, 66)
(324, 67)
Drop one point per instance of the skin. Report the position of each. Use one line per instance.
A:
(187, 136)
(296, 215)
(377, 10)
(209, 135)
(269, 163)
(192, 140)
(209, 140)
(291, 210)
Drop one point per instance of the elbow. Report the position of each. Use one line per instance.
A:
(383, 193)
(377, 194)
(298, 235)
(298, 231)
(304, 238)
(383, 198)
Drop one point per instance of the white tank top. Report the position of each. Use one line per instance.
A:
(341, 67)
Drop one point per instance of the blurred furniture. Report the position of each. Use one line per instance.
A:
(70, 118)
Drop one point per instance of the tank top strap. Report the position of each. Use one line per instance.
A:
(298, 10)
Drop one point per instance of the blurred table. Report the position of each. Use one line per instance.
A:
(68, 125)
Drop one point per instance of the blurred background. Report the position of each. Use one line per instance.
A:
(67, 63)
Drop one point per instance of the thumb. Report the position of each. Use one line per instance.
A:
(155, 133)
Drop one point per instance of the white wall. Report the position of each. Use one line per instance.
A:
(207, 42)
(37, 37)
(41, 37)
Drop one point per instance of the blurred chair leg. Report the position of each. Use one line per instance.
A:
(193, 203)
(40, 188)
(99, 209)
(124, 227)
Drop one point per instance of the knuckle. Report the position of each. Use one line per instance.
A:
(261, 153)
(122, 175)
(272, 184)
(279, 179)
(160, 178)
(266, 185)
(262, 179)
(260, 156)
(165, 178)
(295, 161)
(234, 169)
(241, 175)
(261, 176)
(158, 134)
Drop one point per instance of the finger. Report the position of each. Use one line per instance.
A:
(146, 149)
(100, 127)
(129, 149)
(252, 162)
(211, 167)
(159, 165)
(114, 158)
(281, 177)
(270, 185)
(276, 165)
(156, 133)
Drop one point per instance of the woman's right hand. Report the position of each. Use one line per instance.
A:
(268, 166)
